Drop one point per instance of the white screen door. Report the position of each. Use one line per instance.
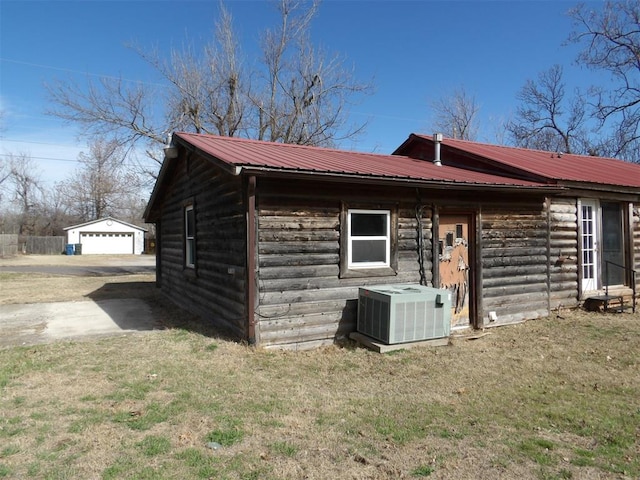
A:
(588, 216)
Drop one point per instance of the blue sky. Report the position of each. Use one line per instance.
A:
(414, 52)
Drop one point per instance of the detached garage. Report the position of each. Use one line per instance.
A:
(107, 236)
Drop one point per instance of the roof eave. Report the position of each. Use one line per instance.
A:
(600, 187)
(379, 180)
(229, 167)
(91, 222)
(167, 164)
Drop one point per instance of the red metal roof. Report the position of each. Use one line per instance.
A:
(552, 165)
(253, 154)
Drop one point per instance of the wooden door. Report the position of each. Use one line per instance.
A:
(454, 268)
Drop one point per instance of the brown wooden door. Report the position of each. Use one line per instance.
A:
(454, 265)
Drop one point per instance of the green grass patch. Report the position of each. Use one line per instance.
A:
(34, 469)
(86, 418)
(285, 449)
(134, 390)
(423, 471)
(225, 436)
(123, 467)
(152, 414)
(539, 450)
(9, 450)
(11, 427)
(153, 445)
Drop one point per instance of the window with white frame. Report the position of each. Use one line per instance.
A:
(369, 238)
(189, 237)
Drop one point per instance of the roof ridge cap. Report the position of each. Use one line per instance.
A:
(524, 149)
(287, 145)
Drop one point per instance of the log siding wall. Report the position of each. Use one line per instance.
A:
(563, 253)
(527, 252)
(515, 262)
(215, 289)
(303, 302)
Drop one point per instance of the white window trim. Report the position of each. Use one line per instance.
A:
(351, 238)
(189, 240)
(592, 282)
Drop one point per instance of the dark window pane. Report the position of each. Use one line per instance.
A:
(612, 243)
(191, 252)
(369, 251)
(368, 224)
(449, 239)
(190, 223)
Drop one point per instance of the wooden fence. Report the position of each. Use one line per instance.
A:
(12, 244)
(44, 245)
(8, 245)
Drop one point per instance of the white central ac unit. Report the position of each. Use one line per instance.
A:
(404, 313)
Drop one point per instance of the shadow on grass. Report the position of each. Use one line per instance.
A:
(165, 314)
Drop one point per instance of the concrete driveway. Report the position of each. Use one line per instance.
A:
(28, 324)
(33, 323)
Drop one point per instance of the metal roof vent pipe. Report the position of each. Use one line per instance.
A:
(170, 150)
(437, 142)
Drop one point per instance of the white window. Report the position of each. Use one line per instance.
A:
(190, 237)
(369, 238)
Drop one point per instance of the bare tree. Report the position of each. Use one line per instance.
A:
(4, 164)
(456, 115)
(295, 94)
(26, 192)
(612, 44)
(5, 172)
(208, 89)
(303, 94)
(548, 119)
(54, 214)
(112, 108)
(101, 185)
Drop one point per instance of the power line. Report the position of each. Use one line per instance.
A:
(37, 143)
(41, 158)
(130, 164)
(70, 70)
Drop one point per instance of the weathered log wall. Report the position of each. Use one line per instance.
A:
(515, 257)
(303, 302)
(563, 249)
(215, 289)
(526, 260)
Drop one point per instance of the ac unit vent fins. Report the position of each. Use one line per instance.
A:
(404, 313)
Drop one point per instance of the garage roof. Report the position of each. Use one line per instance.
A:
(92, 222)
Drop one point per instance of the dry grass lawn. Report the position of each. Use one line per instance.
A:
(556, 398)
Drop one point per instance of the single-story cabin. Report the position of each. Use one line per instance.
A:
(106, 236)
(271, 242)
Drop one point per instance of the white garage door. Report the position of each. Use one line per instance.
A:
(109, 243)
